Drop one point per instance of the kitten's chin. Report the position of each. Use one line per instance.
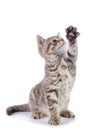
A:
(61, 51)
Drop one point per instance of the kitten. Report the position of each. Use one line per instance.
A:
(51, 96)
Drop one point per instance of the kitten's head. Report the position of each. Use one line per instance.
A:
(51, 47)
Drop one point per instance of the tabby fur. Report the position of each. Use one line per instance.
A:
(51, 96)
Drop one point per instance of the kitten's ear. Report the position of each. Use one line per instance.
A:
(59, 35)
(40, 41)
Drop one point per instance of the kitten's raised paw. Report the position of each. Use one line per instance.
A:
(38, 115)
(54, 121)
(71, 33)
(67, 114)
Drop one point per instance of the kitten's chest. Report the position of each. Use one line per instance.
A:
(66, 78)
(65, 84)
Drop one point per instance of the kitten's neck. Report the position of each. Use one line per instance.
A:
(53, 60)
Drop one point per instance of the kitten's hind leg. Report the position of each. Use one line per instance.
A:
(67, 114)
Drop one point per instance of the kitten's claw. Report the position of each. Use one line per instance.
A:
(54, 121)
(71, 33)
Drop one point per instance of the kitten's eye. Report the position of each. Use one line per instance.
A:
(54, 40)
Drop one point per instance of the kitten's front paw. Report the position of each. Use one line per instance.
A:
(54, 121)
(71, 33)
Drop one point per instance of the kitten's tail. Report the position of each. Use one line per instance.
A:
(19, 108)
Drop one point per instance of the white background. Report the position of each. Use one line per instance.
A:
(21, 67)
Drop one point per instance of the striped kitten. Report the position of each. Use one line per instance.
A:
(51, 96)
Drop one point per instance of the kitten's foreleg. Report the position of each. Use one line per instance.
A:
(52, 99)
